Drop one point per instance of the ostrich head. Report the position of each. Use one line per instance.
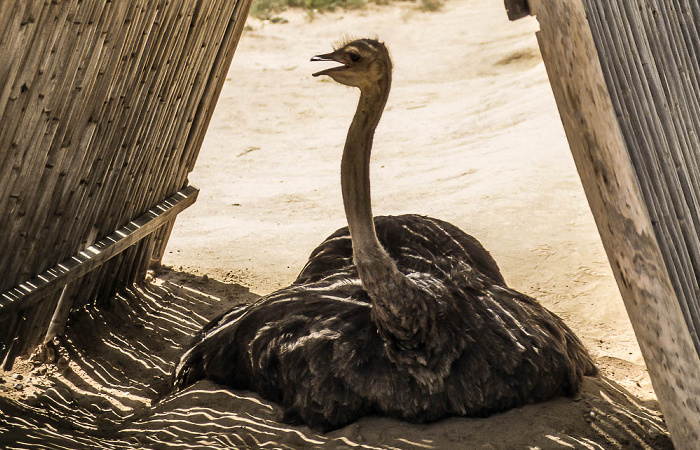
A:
(365, 63)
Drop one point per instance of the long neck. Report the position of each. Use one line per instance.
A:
(355, 172)
(399, 308)
(378, 272)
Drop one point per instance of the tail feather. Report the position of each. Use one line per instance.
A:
(578, 352)
(191, 367)
(189, 370)
(582, 362)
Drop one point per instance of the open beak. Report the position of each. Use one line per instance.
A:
(328, 57)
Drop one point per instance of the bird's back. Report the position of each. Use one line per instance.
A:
(413, 241)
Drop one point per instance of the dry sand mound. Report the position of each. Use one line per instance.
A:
(107, 395)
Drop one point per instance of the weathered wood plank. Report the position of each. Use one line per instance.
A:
(24, 295)
(614, 100)
(60, 315)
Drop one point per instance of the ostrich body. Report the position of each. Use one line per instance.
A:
(400, 315)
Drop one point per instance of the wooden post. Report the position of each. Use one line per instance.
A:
(161, 238)
(60, 316)
(613, 191)
(517, 9)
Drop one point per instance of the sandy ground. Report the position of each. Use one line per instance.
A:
(470, 135)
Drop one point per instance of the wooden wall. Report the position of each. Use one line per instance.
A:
(103, 108)
(650, 62)
(625, 77)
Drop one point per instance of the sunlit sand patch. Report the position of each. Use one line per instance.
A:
(105, 397)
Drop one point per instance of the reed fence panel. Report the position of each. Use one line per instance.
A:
(625, 77)
(103, 109)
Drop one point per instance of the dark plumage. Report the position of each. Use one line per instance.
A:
(409, 317)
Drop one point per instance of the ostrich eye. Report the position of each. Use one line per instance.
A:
(354, 56)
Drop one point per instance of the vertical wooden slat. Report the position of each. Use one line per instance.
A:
(37, 321)
(9, 338)
(58, 321)
(160, 241)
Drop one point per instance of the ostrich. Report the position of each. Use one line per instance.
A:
(406, 316)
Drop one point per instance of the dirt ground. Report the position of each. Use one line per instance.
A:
(470, 135)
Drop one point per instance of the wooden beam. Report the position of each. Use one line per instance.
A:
(31, 291)
(622, 217)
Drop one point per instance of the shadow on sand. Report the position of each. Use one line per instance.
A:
(120, 359)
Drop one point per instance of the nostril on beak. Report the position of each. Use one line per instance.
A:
(326, 57)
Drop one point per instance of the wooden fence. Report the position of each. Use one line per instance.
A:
(625, 77)
(103, 108)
